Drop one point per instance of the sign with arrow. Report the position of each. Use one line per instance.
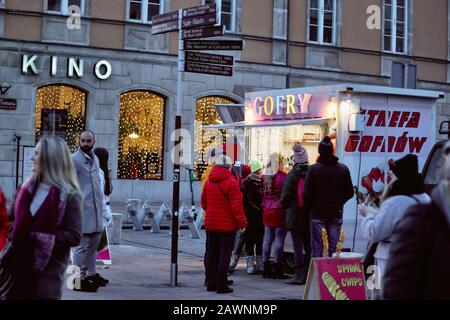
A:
(204, 32)
(208, 58)
(208, 69)
(213, 45)
(196, 21)
(199, 10)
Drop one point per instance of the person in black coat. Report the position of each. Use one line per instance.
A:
(328, 186)
(253, 193)
(297, 218)
(419, 255)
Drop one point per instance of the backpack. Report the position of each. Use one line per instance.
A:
(300, 201)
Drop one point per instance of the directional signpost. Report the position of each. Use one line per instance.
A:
(192, 23)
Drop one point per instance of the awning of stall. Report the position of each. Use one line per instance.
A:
(267, 123)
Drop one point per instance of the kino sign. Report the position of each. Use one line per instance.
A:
(102, 69)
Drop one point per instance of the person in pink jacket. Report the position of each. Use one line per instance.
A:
(4, 223)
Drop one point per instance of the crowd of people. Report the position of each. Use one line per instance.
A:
(64, 206)
(267, 203)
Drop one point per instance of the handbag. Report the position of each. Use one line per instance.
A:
(6, 276)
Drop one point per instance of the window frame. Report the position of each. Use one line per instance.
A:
(320, 26)
(393, 37)
(233, 14)
(64, 6)
(144, 13)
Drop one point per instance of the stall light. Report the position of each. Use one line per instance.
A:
(133, 135)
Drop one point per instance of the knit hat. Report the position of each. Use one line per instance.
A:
(300, 155)
(256, 165)
(405, 167)
(246, 170)
(223, 161)
(325, 146)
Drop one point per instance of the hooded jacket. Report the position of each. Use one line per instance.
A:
(328, 186)
(222, 200)
(297, 219)
(419, 255)
(252, 192)
(4, 223)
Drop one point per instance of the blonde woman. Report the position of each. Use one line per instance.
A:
(274, 216)
(47, 223)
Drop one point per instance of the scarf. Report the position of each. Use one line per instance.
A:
(43, 227)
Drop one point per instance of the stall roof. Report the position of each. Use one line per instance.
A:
(358, 88)
(266, 123)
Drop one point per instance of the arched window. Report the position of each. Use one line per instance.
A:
(141, 136)
(61, 111)
(206, 114)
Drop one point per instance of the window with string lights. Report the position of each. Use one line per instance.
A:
(141, 136)
(60, 110)
(204, 140)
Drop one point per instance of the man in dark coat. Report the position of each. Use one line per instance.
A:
(297, 218)
(419, 256)
(328, 186)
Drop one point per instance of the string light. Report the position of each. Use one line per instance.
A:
(206, 114)
(71, 102)
(141, 131)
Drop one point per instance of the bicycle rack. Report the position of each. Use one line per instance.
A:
(132, 207)
(188, 215)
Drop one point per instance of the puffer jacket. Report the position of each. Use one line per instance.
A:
(419, 255)
(222, 200)
(274, 215)
(297, 219)
(252, 191)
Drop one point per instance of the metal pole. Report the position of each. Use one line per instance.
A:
(17, 138)
(176, 159)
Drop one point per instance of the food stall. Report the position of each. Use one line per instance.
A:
(369, 126)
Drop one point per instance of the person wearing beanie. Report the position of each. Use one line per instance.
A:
(274, 217)
(404, 191)
(297, 217)
(252, 192)
(328, 186)
(420, 247)
(222, 201)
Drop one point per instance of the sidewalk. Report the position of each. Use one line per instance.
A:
(140, 270)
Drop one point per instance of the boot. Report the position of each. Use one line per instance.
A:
(298, 278)
(259, 265)
(279, 274)
(233, 262)
(268, 270)
(250, 265)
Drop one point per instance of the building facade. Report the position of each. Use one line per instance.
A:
(106, 72)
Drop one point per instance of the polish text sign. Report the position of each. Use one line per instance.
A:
(199, 10)
(165, 27)
(213, 45)
(208, 58)
(204, 32)
(196, 21)
(165, 17)
(208, 69)
(335, 279)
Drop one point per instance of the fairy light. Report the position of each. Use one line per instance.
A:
(141, 131)
(206, 114)
(61, 97)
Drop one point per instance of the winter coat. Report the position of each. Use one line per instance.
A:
(273, 214)
(328, 186)
(89, 179)
(252, 192)
(48, 282)
(419, 256)
(4, 221)
(297, 219)
(379, 227)
(222, 200)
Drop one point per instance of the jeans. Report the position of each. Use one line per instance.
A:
(276, 236)
(301, 241)
(219, 246)
(84, 256)
(333, 228)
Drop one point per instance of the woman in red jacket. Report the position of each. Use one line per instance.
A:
(274, 217)
(3, 220)
(222, 201)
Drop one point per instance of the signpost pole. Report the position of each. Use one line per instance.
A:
(176, 160)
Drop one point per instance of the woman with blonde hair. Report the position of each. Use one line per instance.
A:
(47, 223)
(274, 216)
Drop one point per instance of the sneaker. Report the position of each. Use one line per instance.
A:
(86, 285)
